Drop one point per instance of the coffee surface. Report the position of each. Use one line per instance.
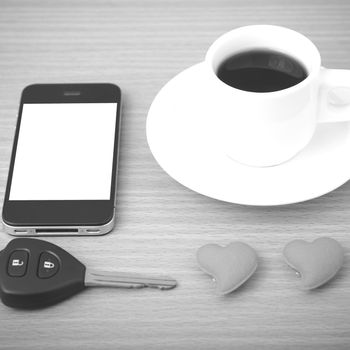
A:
(261, 71)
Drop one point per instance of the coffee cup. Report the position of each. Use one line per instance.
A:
(268, 128)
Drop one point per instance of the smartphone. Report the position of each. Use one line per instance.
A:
(63, 168)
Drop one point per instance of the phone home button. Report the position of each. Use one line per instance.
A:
(48, 265)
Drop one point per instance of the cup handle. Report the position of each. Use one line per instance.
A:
(334, 95)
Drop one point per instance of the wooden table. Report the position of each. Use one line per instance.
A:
(140, 45)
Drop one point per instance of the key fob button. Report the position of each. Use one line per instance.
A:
(48, 265)
(17, 265)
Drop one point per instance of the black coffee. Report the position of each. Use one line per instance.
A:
(261, 71)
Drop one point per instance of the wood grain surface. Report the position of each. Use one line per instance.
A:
(140, 45)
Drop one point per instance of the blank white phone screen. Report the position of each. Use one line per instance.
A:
(64, 152)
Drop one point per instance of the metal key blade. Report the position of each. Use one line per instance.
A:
(95, 278)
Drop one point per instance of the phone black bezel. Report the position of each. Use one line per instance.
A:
(63, 212)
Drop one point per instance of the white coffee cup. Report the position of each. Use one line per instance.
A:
(269, 128)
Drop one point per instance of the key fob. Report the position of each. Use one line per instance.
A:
(36, 273)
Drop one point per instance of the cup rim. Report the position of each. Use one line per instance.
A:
(314, 70)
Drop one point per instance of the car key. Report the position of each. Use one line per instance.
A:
(35, 273)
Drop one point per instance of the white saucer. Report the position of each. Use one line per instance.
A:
(180, 138)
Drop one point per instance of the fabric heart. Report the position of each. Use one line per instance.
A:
(230, 266)
(316, 262)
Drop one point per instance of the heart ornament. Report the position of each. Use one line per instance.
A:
(316, 262)
(230, 266)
